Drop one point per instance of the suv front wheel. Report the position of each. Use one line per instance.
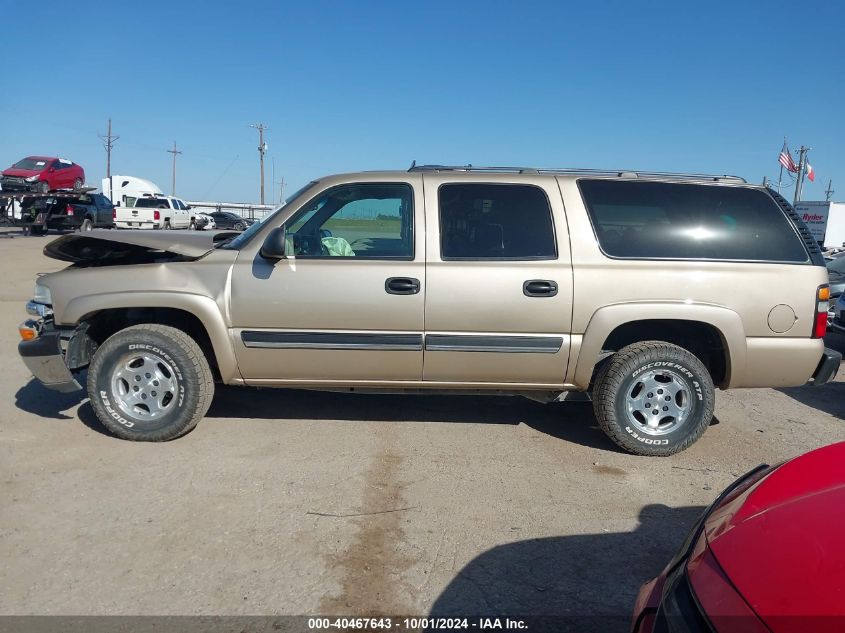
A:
(653, 398)
(150, 383)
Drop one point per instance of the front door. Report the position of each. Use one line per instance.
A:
(346, 304)
(499, 282)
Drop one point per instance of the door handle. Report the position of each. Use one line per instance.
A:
(402, 286)
(539, 288)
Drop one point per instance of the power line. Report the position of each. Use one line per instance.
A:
(173, 151)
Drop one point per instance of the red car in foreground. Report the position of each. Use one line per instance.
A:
(767, 556)
(42, 174)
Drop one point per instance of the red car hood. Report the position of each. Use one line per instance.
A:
(23, 173)
(782, 542)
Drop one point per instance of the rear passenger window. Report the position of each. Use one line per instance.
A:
(655, 220)
(495, 221)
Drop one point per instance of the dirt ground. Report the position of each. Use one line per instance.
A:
(296, 502)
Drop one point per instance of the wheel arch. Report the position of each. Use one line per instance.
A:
(713, 333)
(197, 315)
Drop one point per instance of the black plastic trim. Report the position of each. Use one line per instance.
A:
(48, 344)
(332, 341)
(539, 288)
(497, 344)
(827, 367)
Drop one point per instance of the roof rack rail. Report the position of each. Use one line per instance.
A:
(618, 173)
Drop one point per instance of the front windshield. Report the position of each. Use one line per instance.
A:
(246, 236)
(36, 164)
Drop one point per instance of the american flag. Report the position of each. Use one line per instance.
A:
(785, 159)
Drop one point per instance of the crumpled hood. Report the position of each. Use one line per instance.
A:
(21, 173)
(104, 247)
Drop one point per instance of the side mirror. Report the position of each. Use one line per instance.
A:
(274, 244)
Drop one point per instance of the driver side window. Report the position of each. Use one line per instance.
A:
(361, 220)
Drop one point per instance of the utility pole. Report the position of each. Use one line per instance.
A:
(108, 143)
(828, 194)
(262, 149)
(799, 182)
(173, 151)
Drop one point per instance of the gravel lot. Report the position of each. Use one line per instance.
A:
(295, 502)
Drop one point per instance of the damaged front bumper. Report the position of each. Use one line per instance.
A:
(51, 353)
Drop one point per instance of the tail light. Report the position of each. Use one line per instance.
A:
(113, 213)
(822, 304)
(69, 210)
(156, 215)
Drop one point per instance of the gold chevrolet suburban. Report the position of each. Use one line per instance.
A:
(646, 290)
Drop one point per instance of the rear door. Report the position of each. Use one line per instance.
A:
(499, 281)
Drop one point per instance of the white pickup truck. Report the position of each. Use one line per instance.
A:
(156, 212)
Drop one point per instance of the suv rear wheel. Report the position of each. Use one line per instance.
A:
(150, 383)
(653, 398)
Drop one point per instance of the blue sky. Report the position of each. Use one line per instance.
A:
(342, 86)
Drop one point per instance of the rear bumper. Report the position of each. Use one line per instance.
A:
(137, 224)
(43, 356)
(827, 368)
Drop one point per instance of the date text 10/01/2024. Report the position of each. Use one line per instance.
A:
(415, 624)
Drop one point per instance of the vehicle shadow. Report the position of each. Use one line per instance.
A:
(569, 583)
(829, 398)
(570, 421)
(35, 398)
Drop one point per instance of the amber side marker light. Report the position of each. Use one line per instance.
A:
(26, 333)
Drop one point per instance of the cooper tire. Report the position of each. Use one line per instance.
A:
(673, 383)
(155, 359)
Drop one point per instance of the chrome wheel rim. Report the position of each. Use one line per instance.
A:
(658, 402)
(144, 385)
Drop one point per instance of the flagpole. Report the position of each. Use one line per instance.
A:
(799, 182)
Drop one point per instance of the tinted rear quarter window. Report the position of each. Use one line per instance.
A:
(655, 220)
(495, 221)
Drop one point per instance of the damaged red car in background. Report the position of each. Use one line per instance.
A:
(43, 174)
(767, 556)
